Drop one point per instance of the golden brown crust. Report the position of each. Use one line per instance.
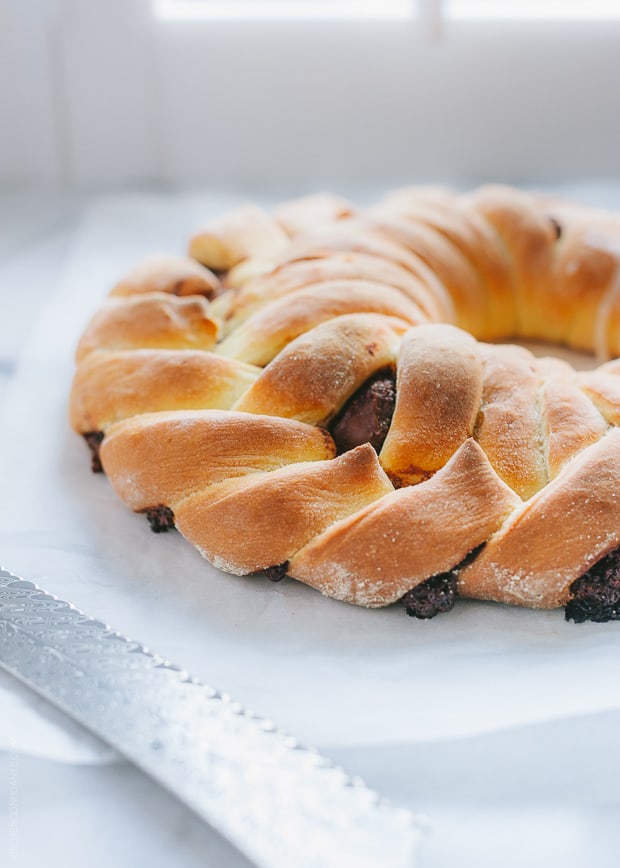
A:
(265, 334)
(299, 274)
(571, 421)
(581, 294)
(384, 550)
(438, 389)
(160, 458)
(357, 236)
(476, 240)
(177, 275)
(529, 238)
(280, 511)
(316, 373)
(444, 260)
(603, 387)
(110, 386)
(152, 321)
(556, 536)
(301, 215)
(228, 240)
(247, 270)
(348, 310)
(509, 425)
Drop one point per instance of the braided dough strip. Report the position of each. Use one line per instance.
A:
(438, 393)
(280, 511)
(155, 459)
(316, 373)
(289, 277)
(536, 556)
(177, 275)
(110, 386)
(154, 321)
(385, 550)
(236, 236)
(265, 334)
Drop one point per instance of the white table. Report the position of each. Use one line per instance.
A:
(542, 794)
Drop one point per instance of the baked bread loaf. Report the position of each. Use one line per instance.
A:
(320, 393)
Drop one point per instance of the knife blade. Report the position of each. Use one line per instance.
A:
(279, 803)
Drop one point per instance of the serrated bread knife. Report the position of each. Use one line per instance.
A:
(280, 804)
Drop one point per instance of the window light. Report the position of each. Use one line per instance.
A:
(529, 10)
(281, 10)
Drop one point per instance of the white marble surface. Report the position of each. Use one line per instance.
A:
(533, 791)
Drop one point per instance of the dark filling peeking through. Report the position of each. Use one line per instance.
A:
(275, 573)
(367, 415)
(161, 518)
(437, 594)
(433, 597)
(93, 441)
(596, 594)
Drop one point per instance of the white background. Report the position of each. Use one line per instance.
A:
(104, 95)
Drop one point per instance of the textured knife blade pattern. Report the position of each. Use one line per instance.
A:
(281, 804)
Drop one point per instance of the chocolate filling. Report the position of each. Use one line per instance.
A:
(367, 415)
(596, 594)
(93, 440)
(439, 593)
(275, 573)
(433, 597)
(161, 518)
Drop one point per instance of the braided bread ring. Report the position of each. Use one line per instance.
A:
(328, 406)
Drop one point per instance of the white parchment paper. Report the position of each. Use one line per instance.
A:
(335, 675)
